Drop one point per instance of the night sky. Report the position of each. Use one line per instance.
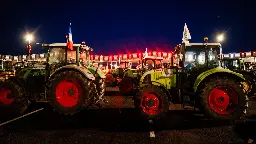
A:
(115, 27)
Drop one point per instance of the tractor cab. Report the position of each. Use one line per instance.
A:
(57, 53)
(84, 52)
(192, 59)
(198, 56)
(151, 62)
(58, 56)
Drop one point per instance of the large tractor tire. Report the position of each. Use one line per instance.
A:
(69, 92)
(12, 97)
(223, 99)
(153, 102)
(126, 87)
(100, 86)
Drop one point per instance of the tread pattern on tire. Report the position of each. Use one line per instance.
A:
(21, 101)
(100, 86)
(163, 96)
(85, 86)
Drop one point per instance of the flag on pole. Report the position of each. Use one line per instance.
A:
(186, 34)
(69, 40)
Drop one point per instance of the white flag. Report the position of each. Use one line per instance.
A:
(186, 34)
(146, 52)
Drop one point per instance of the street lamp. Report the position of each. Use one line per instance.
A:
(29, 38)
(220, 38)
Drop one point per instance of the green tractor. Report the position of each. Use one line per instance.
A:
(68, 87)
(194, 80)
(131, 77)
(235, 64)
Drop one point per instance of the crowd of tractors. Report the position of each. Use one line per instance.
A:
(219, 88)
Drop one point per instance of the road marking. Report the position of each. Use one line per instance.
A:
(152, 134)
(17, 118)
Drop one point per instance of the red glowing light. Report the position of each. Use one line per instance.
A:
(242, 54)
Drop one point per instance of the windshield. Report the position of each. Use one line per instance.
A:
(196, 56)
(57, 55)
(153, 63)
(232, 64)
(158, 64)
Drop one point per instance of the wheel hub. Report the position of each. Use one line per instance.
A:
(6, 96)
(150, 104)
(71, 92)
(222, 100)
(68, 93)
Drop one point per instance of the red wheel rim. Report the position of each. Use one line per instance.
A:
(68, 93)
(151, 104)
(126, 86)
(223, 100)
(5, 96)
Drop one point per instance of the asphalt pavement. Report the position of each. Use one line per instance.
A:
(119, 125)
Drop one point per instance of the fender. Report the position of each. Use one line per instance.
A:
(143, 76)
(24, 73)
(205, 74)
(84, 71)
(21, 83)
(100, 73)
(164, 89)
(248, 73)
